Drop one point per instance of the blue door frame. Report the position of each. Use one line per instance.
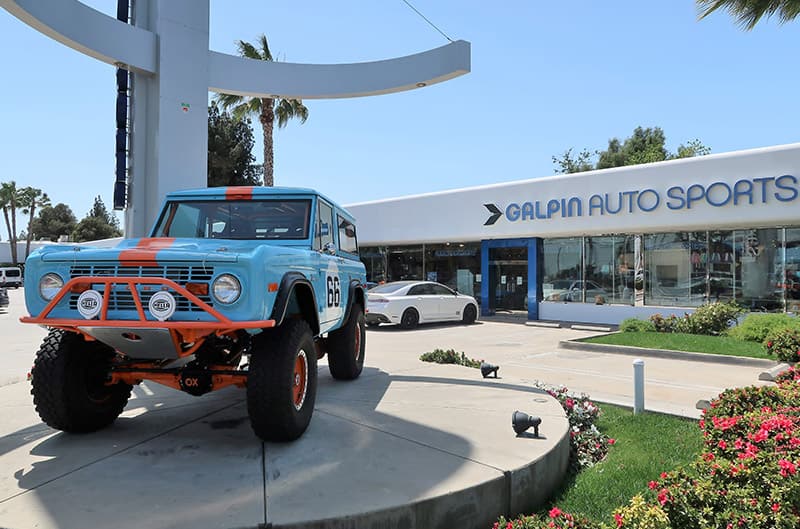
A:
(533, 244)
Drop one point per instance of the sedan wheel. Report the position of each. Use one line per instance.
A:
(410, 319)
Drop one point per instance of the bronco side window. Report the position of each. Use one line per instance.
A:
(347, 236)
(323, 233)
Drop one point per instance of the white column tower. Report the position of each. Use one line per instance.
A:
(166, 48)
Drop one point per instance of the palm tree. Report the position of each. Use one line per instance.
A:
(9, 201)
(266, 108)
(30, 199)
(748, 12)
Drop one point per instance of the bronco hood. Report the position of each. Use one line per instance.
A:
(149, 250)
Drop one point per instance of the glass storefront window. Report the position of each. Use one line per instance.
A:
(457, 265)
(374, 259)
(760, 268)
(561, 270)
(791, 280)
(676, 269)
(508, 279)
(609, 269)
(404, 262)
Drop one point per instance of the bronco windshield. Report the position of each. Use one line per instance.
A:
(236, 219)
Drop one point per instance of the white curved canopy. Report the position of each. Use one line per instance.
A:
(249, 77)
(98, 35)
(88, 31)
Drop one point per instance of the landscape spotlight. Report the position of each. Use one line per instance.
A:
(522, 421)
(488, 369)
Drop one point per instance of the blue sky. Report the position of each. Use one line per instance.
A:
(545, 76)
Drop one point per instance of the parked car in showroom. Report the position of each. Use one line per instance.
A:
(571, 290)
(409, 303)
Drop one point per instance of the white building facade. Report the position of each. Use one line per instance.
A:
(602, 246)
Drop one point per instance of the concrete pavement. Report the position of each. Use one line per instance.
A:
(409, 444)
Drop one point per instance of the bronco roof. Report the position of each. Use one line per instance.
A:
(246, 193)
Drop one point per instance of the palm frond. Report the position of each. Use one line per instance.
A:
(266, 55)
(248, 50)
(228, 101)
(749, 12)
(287, 109)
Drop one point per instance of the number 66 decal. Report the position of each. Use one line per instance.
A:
(334, 293)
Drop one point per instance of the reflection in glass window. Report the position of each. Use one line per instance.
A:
(347, 235)
(457, 265)
(324, 231)
(405, 262)
(609, 269)
(761, 265)
(561, 273)
(676, 269)
(792, 263)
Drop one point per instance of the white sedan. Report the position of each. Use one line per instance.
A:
(410, 303)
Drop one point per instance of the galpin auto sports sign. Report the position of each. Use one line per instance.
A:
(745, 192)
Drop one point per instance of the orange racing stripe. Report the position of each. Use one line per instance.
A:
(239, 193)
(144, 253)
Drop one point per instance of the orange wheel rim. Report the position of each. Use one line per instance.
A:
(300, 380)
(357, 352)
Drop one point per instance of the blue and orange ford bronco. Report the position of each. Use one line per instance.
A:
(242, 286)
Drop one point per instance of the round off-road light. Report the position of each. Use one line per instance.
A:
(90, 302)
(162, 305)
(49, 285)
(226, 289)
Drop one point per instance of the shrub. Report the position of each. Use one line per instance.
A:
(790, 375)
(756, 327)
(636, 325)
(784, 344)
(662, 324)
(747, 475)
(555, 519)
(587, 445)
(450, 356)
(711, 319)
(639, 515)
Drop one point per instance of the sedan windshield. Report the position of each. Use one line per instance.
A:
(236, 219)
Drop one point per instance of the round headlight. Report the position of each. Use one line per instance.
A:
(49, 285)
(226, 289)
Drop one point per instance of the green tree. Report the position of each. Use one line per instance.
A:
(30, 199)
(645, 145)
(748, 12)
(9, 201)
(266, 108)
(97, 224)
(52, 222)
(230, 150)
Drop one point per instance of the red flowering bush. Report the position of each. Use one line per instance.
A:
(748, 475)
(587, 445)
(555, 519)
(784, 344)
(790, 375)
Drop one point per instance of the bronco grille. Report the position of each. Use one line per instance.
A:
(122, 299)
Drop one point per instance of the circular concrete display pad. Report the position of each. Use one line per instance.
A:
(427, 447)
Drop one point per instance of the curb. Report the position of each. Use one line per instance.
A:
(665, 353)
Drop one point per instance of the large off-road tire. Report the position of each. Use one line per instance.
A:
(346, 347)
(68, 384)
(410, 318)
(470, 314)
(282, 381)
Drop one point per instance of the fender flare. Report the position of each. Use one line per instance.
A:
(289, 282)
(354, 287)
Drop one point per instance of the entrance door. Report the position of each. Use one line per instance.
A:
(508, 279)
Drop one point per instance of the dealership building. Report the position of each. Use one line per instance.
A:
(602, 246)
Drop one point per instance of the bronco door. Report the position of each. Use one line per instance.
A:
(330, 289)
